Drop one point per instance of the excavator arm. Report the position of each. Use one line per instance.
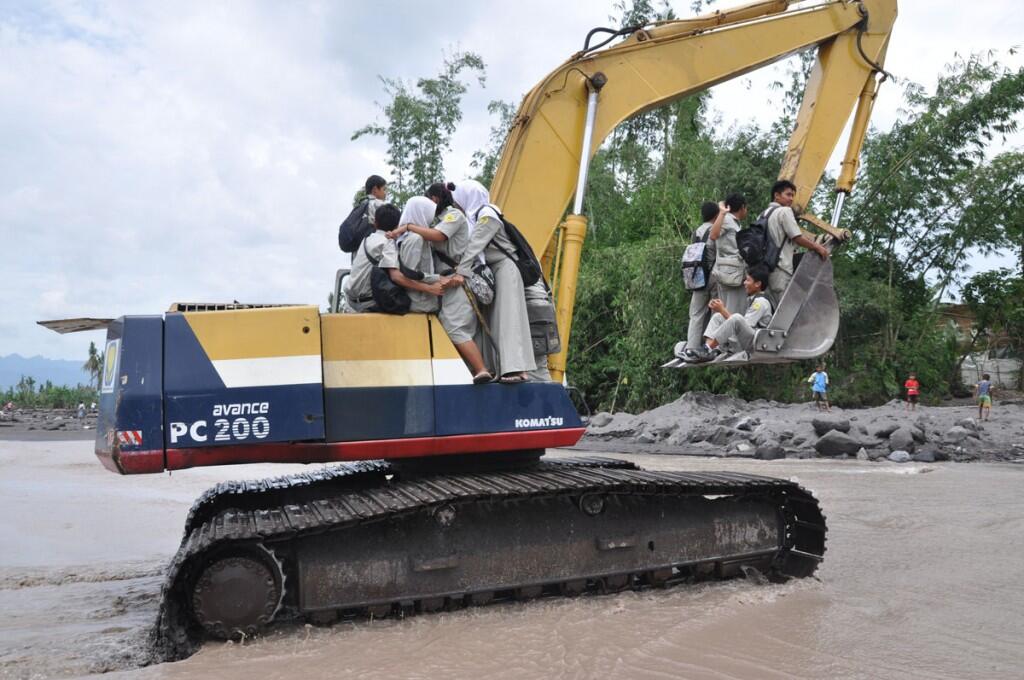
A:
(564, 119)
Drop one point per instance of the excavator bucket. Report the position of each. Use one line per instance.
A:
(803, 327)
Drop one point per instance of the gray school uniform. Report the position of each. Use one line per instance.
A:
(417, 256)
(699, 300)
(358, 296)
(730, 268)
(736, 333)
(509, 321)
(782, 229)
(457, 316)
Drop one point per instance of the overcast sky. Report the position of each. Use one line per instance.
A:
(197, 151)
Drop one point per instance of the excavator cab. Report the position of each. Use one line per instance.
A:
(804, 325)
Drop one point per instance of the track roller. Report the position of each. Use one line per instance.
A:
(237, 592)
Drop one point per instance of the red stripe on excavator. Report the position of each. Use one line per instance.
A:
(333, 452)
(133, 462)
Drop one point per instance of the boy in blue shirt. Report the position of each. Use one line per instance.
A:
(819, 386)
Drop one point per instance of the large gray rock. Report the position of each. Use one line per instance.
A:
(883, 431)
(721, 436)
(899, 457)
(967, 423)
(925, 456)
(769, 452)
(956, 435)
(836, 443)
(902, 439)
(876, 454)
(645, 438)
(823, 425)
(748, 424)
(600, 419)
(919, 434)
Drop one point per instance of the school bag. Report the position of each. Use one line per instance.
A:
(388, 296)
(355, 228)
(481, 282)
(526, 261)
(756, 245)
(697, 262)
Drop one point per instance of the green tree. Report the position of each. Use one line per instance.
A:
(420, 122)
(94, 364)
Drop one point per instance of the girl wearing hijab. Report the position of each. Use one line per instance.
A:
(510, 325)
(416, 261)
(448, 241)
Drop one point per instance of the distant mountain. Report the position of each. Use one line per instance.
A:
(57, 371)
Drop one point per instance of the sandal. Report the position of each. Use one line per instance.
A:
(482, 377)
(512, 379)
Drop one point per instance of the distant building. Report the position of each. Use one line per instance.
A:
(998, 354)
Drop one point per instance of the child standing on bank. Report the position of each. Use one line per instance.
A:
(913, 389)
(983, 391)
(819, 386)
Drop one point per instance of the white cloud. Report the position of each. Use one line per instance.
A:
(152, 152)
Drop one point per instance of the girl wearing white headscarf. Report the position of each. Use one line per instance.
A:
(448, 241)
(416, 261)
(510, 324)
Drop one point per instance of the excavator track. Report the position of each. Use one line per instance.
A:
(357, 541)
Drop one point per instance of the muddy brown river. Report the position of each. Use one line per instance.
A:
(922, 579)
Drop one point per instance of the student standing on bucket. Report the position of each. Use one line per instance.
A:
(729, 268)
(700, 297)
(786, 234)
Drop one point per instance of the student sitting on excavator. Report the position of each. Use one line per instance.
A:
(730, 333)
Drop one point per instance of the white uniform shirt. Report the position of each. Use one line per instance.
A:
(416, 255)
(357, 285)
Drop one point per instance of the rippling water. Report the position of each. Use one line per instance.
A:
(921, 580)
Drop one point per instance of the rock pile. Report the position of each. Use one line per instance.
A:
(708, 424)
(54, 420)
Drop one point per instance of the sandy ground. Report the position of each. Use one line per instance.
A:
(918, 582)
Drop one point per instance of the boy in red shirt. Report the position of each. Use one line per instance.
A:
(913, 389)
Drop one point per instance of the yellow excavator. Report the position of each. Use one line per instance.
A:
(442, 497)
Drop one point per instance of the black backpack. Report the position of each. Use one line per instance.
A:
(355, 228)
(388, 296)
(756, 245)
(526, 261)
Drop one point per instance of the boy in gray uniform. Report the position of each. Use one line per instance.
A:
(700, 298)
(358, 296)
(729, 266)
(376, 194)
(735, 332)
(785, 233)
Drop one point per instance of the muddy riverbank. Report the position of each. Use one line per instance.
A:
(917, 582)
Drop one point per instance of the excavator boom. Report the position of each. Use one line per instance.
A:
(540, 164)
